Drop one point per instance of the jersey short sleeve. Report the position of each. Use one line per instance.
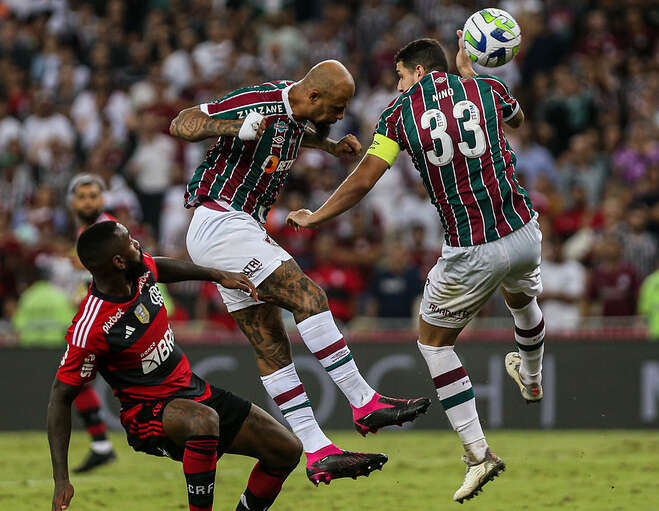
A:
(507, 102)
(151, 265)
(78, 366)
(223, 108)
(234, 104)
(84, 345)
(385, 139)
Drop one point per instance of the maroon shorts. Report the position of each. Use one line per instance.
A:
(144, 431)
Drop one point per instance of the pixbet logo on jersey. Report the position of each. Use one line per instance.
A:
(112, 320)
(157, 353)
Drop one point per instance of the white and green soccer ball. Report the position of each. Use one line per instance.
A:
(491, 37)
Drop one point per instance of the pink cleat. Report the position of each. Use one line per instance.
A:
(383, 411)
(330, 462)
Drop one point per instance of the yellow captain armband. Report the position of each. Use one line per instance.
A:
(384, 148)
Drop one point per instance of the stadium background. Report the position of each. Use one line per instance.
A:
(90, 86)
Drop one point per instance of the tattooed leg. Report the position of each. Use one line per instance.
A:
(263, 326)
(289, 288)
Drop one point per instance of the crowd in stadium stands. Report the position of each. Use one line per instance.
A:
(92, 86)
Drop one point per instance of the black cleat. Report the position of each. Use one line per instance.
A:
(94, 460)
(387, 411)
(345, 464)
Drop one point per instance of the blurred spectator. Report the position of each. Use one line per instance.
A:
(613, 284)
(648, 303)
(46, 129)
(342, 283)
(564, 286)
(533, 160)
(11, 129)
(640, 247)
(152, 167)
(42, 315)
(396, 284)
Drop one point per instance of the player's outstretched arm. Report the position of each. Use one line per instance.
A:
(466, 70)
(59, 434)
(349, 146)
(175, 270)
(351, 191)
(462, 60)
(193, 125)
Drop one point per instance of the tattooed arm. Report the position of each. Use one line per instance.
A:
(347, 146)
(193, 125)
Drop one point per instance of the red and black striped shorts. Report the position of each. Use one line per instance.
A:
(144, 430)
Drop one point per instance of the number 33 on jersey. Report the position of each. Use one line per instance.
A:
(452, 128)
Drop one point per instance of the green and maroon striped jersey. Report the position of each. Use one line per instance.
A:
(247, 176)
(452, 128)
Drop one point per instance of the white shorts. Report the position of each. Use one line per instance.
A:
(464, 278)
(233, 241)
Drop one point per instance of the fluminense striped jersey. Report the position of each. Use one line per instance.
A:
(247, 176)
(453, 129)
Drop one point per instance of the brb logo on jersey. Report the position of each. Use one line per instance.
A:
(156, 354)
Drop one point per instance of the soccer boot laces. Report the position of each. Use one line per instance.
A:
(478, 475)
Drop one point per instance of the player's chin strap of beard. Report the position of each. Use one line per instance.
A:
(250, 126)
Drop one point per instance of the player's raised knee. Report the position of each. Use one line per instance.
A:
(207, 422)
(184, 418)
(292, 452)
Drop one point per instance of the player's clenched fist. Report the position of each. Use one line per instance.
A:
(62, 495)
(348, 146)
(300, 218)
(233, 280)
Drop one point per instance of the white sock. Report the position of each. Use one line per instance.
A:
(456, 396)
(286, 389)
(530, 338)
(101, 446)
(325, 341)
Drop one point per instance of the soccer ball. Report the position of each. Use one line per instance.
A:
(491, 37)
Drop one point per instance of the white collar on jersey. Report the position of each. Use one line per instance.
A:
(287, 104)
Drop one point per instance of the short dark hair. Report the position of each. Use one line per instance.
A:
(425, 52)
(93, 243)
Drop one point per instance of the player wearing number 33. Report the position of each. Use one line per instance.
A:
(452, 127)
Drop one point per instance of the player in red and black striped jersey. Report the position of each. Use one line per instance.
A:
(261, 130)
(122, 332)
(452, 127)
(85, 197)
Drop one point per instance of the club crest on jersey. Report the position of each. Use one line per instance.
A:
(280, 126)
(156, 297)
(142, 314)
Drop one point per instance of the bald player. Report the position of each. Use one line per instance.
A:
(85, 197)
(261, 130)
